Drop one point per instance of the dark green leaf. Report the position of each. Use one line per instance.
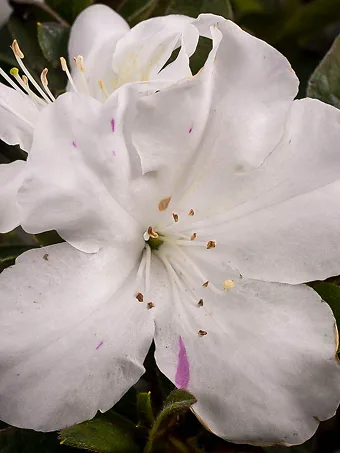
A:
(324, 83)
(53, 40)
(135, 11)
(194, 7)
(11, 252)
(69, 9)
(102, 436)
(144, 409)
(330, 293)
(177, 402)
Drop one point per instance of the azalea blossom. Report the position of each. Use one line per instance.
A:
(107, 55)
(191, 217)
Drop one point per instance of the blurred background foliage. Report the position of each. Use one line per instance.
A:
(152, 417)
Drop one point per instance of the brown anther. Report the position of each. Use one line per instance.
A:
(43, 77)
(202, 333)
(80, 63)
(150, 305)
(101, 84)
(200, 303)
(175, 216)
(140, 297)
(45, 257)
(191, 212)
(63, 64)
(211, 244)
(152, 233)
(205, 284)
(164, 203)
(193, 236)
(25, 80)
(16, 50)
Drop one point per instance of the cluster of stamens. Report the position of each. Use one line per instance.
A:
(42, 95)
(182, 270)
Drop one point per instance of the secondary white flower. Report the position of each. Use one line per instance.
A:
(164, 202)
(108, 54)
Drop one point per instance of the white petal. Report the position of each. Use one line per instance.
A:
(94, 35)
(11, 178)
(266, 370)
(69, 342)
(78, 157)
(18, 117)
(281, 222)
(143, 52)
(231, 115)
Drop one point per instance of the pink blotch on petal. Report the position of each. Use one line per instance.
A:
(190, 130)
(100, 345)
(74, 144)
(113, 125)
(183, 371)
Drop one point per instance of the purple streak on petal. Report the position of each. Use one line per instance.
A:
(183, 372)
(190, 130)
(100, 345)
(74, 144)
(113, 125)
(113, 153)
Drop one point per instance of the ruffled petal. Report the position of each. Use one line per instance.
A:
(69, 343)
(18, 117)
(78, 158)
(94, 35)
(260, 358)
(281, 222)
(11, 178)
(228, 117)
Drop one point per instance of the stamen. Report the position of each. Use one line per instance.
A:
(44, 81)
(10, 81)
(205, 285)
(147, 269)
(19, 56)
(152, 233)
(163, 204)
(140, 297)
(211, 244)
(80, 66)
(150, 305)
(191, 212)
(193, 236)
(200, 303)
(175, 216)
(64, 67)
(24, 85)
(202, 333)
(189, 280)
(103, 88)
(141, 265)
(228, 284)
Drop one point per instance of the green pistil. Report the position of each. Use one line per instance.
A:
(155, 243)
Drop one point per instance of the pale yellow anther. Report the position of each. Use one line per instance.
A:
(175, 216)
(80, 63)
(25, 80)
(43, 77)
(164, 203)
(228, 284)
(191, 212)
(16, 50)
(193, 236)
(211, 244)
(63, 64)
(152, 233)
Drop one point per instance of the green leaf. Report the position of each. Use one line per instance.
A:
(135, 11)
(14, 440)
(195, 7)
(330, 293)
(144, 409)
(69, 9)
(324, 83)
(53, 40)
(102, 436)
(11, 252)
(177, 402)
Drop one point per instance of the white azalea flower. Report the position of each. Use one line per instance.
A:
(193, 221)
(108, 54)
